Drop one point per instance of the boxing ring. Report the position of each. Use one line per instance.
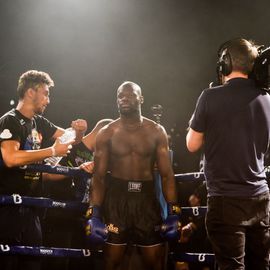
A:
(81, 207)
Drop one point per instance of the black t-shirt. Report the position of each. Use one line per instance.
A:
(235, 120)
(29, 133)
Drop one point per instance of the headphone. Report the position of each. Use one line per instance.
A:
(224, 64)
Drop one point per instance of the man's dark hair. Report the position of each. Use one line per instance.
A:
(32, 79)
(243, 54)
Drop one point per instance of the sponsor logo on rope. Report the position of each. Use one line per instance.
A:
(17, 199)
(62, 169)
(86, 252)
(195, 211)
(5, 248)
(201, 257)
(46, 251)
(59, 204)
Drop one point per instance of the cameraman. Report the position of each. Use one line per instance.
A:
(232, 121)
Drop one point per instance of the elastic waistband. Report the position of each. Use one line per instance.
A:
(131, 186)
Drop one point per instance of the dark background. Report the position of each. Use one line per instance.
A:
(89, 47)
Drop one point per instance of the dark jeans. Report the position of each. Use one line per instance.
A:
(238, 229)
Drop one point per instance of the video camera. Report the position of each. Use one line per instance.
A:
(261, 70)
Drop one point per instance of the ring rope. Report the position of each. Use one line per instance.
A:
(80, 253)
(76, 172)
(81, 173)
(42, 202)
(190, 176)
(44, 251)
(72, 172)
(193, 257)
(200, 175)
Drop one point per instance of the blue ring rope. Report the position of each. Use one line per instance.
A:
(44, 251)
(42, 202)
(194, 176)
(72, 172)
(82, 253)
(193, 257)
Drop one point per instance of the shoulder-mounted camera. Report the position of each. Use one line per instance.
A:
(261, 69)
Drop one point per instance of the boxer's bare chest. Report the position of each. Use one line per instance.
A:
(139, 142)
